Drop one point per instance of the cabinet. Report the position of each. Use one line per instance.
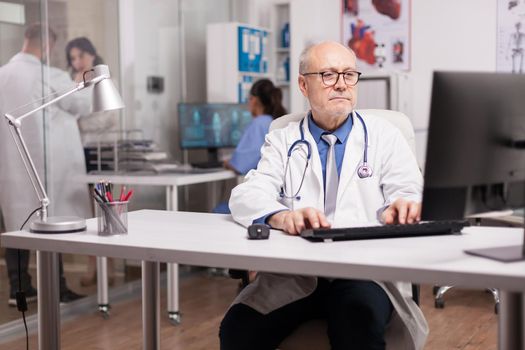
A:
(236, 55)
(281, 44)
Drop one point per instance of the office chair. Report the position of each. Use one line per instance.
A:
(312, 334)
(439, 291)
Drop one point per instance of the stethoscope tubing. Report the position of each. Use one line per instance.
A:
(363, 171)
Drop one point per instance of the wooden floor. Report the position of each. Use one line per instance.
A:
(9, 313)
(467, 322)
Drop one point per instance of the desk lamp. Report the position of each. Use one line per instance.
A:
(105, 98)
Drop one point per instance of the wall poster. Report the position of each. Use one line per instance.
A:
(379, 33)
(510, 36)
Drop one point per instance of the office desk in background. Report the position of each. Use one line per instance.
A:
(171, 181)
(215, 240)
(511, 219)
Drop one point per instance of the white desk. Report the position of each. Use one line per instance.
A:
(170, 182)
(214, 240)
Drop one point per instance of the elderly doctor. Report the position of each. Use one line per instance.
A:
(336, 190)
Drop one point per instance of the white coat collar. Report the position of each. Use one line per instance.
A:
(25, 57)
(354, 152)
(315, 160)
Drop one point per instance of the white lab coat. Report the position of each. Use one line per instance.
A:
(359, 201)
(21, 82)
(99, 127)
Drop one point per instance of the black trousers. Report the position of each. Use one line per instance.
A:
(357, 313)
(11, 260)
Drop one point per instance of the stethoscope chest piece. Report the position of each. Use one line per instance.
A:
(364, 171)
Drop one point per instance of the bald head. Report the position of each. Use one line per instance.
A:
(327, 78)
(315, 50)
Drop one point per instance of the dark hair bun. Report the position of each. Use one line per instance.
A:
(271, 97)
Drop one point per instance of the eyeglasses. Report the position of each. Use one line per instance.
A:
(330, 78)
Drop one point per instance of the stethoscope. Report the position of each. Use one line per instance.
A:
(363, 171)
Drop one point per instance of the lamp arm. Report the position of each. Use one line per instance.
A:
(18, 120)
(31, 170)
(15, 123)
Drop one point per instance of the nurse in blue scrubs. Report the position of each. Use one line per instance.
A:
(265, 104)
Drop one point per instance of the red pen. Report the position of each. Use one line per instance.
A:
(122, 193)
(128, 196)
(110, 196)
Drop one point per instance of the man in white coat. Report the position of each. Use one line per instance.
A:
(360, 314)
(24, 79)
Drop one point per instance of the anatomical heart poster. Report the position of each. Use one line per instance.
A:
(379, 33)
(510, 36)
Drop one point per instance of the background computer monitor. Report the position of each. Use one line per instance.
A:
(212, 125)
(476, 148)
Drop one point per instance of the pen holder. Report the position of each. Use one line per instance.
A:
(112, 218)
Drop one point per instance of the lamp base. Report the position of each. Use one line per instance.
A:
(59, 224)
(505, 254)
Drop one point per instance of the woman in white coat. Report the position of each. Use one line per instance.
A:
(365, 314)
(81, 55)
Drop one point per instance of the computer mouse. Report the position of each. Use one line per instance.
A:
(258, 231)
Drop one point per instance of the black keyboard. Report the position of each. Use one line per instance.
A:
(207, 165)
(429, 228)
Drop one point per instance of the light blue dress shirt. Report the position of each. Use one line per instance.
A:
(341, 133)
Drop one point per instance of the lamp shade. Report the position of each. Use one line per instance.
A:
(105, 95)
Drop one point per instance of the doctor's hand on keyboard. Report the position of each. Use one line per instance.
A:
(295, 221)
(402, 212)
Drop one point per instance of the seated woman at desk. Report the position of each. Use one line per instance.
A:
(265, 104)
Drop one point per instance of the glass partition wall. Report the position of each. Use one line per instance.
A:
(67, 37)
(13, 19)
(138, 40)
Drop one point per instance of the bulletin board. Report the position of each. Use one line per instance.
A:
(510, 36)
(379, 33)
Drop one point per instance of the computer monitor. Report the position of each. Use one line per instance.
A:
(476, 146)
(212, 125)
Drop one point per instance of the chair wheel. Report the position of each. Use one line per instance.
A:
(104, 310)
(439, 303)
(496, 308)
(435, 290)
(174, 318)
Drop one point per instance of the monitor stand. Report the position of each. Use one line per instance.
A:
(505, 254)
(213, 160)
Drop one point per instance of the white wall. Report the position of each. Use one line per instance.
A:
(148, 28)
(309, 23)
(197, 14)
(11, 38)
(445, 34)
